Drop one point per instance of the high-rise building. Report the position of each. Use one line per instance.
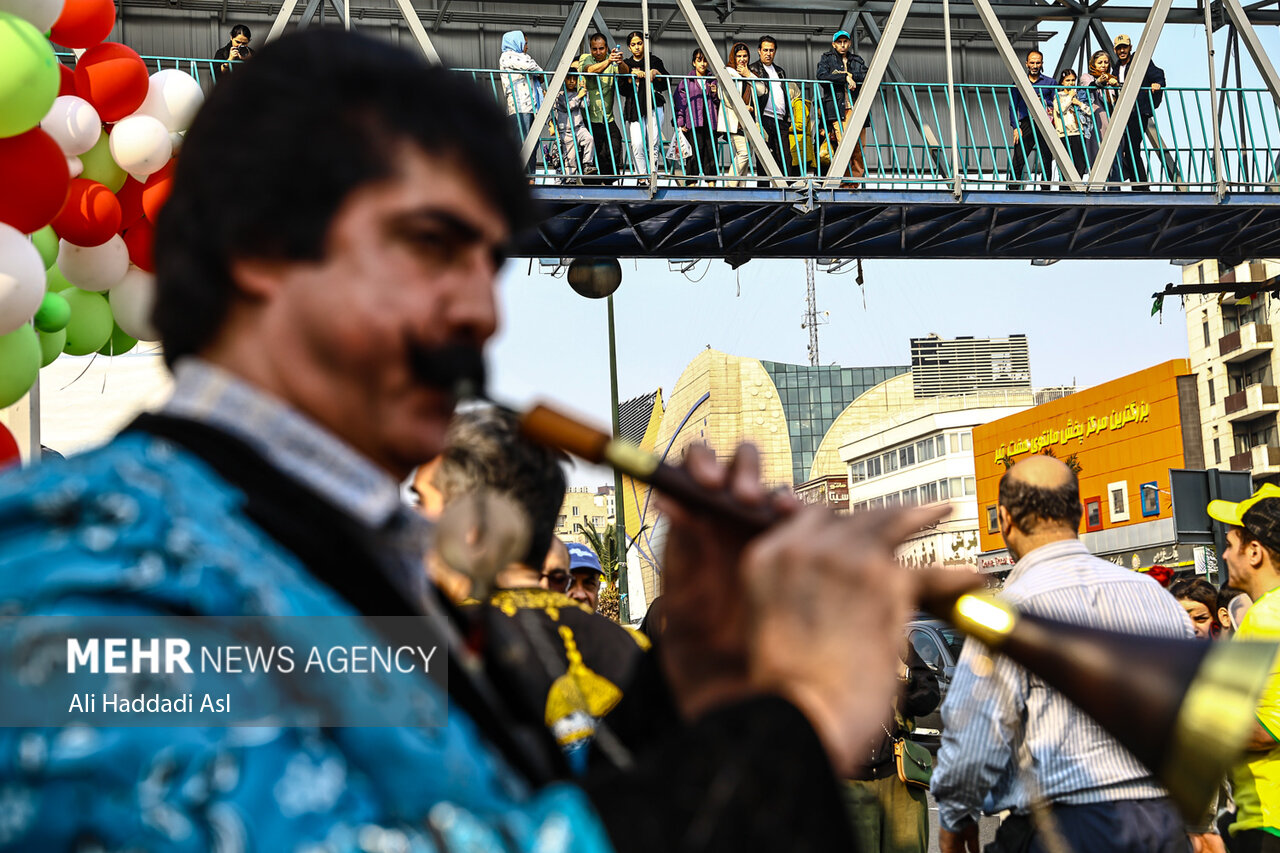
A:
(967, 364)
(1233, 358)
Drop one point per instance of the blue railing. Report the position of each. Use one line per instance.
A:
(1167, 147)
(1168, 144)
(203, 70)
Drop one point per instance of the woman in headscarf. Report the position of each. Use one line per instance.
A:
(521, 80)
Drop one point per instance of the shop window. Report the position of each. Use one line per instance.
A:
(993, 519)
(1149, 493)
(1118, 501)
(1093, 514)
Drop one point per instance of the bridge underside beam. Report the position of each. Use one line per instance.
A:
(700, 223)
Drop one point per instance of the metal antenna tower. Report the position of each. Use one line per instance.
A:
(811, 311)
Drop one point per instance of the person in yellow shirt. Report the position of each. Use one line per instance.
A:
(1253, 564)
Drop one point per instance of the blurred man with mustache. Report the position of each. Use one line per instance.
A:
(316, 332)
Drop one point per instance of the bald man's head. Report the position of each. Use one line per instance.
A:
(1039, 491)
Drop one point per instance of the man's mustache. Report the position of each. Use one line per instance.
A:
(457, 368)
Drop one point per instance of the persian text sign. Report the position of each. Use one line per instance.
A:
(1076, 430)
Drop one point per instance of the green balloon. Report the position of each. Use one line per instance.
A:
(55, 281)
(46, 244)
(119, 344)
(53, 313)
(19, 364)
(91, 322)
(51, 344)
(98, 165)
(29, 76)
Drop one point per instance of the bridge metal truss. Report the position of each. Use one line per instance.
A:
(713, 223)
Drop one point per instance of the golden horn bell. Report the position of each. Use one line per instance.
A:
(1184, 708)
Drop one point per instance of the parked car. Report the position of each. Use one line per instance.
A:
(938, 645)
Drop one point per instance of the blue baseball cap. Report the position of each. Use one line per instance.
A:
(839, 35)
(582, 557)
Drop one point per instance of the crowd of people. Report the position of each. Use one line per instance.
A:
(1079, 108)
(801, 123)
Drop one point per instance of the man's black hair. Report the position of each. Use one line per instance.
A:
(597, 37)
(1030, 505)
(769, 39)
(485, 450)
(1040, 53)
(281, 144)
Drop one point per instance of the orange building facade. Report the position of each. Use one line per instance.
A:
(1124, 435)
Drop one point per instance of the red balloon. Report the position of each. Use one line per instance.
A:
(130, 198)
(67, 84)
(156, 191)
(140, 239)
(9, 453)
(33, 172)
(113, 78)
(91, 215)
(83, 23)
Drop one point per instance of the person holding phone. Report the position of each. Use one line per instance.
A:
(235, 50)
(601, 91)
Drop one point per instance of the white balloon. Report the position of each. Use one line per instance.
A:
(94, 267)
(131, 303)
(39, 13)
(22, 279)
(73, 123)
(140, 145)
(173, 97)
(75, 167)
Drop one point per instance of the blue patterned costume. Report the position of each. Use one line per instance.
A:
(142, 524)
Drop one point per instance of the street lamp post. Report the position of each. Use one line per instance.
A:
(599, 278)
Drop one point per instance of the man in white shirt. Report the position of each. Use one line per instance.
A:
(775, 106)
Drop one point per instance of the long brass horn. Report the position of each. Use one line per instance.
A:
(1184, 708)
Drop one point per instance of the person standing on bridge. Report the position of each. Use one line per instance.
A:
(1103, 89)
(697, 105)
(738, 65)
(1142, 120)
(845, 71)
(637, 97)
(775, 107)
(600, 62)
(1028, 141)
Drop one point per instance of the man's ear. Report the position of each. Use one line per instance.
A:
(1005, 520)
(1255, 554)
(256, 278)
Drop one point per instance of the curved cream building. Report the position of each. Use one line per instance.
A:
(786, 410)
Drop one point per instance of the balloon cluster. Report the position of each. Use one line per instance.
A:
(86, 162)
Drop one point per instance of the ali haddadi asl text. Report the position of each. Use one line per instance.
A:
(88, 703)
